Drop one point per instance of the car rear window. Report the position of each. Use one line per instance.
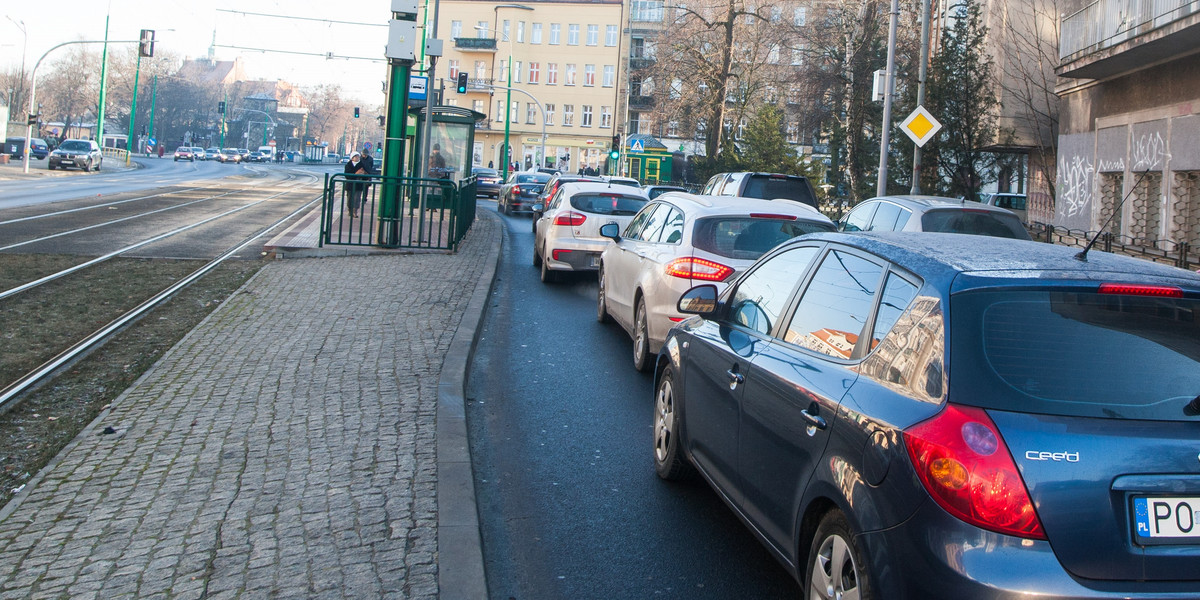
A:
(747, 238)
(770, 188)
(1076, 353)
(608, 204)
(974, 222)
(533, 178)
(1010, 202)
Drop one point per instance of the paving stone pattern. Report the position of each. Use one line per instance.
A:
(283, 449)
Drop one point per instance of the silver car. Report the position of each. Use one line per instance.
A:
(933, 213)
(679, 241)
(76, 154)
(567, 235)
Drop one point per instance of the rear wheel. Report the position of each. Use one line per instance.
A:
(601, 308)
(537, 256)
(641, 338)
(548, 276)
(836, 568)
(98, 166)
(50, 166)
(669, 461)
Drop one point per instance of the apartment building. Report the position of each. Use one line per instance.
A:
(1130, 120)
(566, 68)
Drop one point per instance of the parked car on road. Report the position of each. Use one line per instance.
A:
(184, 153)
(1014, 202)
(679, 240)
(932, 213)
(767, 186)
(487, 182)
(567, 235)
(520, 193)
(77, 154)
(926, 415)
(15, 147)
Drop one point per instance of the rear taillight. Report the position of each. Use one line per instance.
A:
(967, 468)
(771, 216)
(690, 267)
(1125, 289)
(570, 219)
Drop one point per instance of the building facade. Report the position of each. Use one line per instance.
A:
(1129, 143)
(566, 78)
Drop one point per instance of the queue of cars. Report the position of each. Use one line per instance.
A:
(923, 404)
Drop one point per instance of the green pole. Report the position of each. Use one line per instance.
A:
(223, 119)
(103, 93)
(153, 101)
(508, 116)
(395, 132)
(133, 107)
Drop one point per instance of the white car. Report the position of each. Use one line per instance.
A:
(567, 234)
(681, 240)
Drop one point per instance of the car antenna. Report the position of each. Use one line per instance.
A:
(1082, 255)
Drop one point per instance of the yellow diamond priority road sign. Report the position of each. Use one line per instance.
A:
(921, 126)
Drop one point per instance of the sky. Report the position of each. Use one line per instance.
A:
(187, 28)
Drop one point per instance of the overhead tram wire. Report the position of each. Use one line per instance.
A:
(330, 21)
(327, 55)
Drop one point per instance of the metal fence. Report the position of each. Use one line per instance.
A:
(1179, 254)
(396, 212)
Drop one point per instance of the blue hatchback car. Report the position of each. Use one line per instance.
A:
(925, 415)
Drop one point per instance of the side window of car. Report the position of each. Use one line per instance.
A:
(835, 306)
(673, 229)
(634, 229)
(885, 217)
(654, 223)
(902, 219)
(897, 294)
(763, 294)
(859, 218)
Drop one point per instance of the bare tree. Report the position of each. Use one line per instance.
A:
(70, 89)
(328, 111)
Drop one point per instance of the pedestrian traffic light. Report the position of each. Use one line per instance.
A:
(462, 82)
(355, 112)
(146, 43)
(221, 107)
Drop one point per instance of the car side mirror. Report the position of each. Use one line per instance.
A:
(611, 231)
(700, 300)
(538, 208)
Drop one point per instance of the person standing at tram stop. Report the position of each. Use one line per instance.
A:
(368, 160)
(355, 186)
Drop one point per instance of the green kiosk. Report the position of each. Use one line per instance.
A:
(647, 159)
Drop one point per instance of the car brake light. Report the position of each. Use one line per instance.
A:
(967, 468)
(690, 267)
(1160, 291)
(555, 254)
(570, 219)
(771, 216)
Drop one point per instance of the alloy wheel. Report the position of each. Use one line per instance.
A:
(834, 574)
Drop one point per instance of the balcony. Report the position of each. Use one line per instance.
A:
(1108, 37)
(479, 85)
(641, 102)
(470, 44)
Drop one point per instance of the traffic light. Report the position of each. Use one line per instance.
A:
(462, 82)
(355, 112)
(146, 43)
(221, 107)
(614, 153)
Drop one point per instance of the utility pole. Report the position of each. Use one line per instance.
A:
(923, 70)
(153, 102)
(401, 54)
(889, 91)
(103, 95)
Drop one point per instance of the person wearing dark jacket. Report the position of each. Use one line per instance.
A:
(355, 186)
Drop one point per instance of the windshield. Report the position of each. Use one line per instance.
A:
(747, 238)
(76, 146)
(974, 222)
(1076, 353)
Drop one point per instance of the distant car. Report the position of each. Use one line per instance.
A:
(15, 146)
(521, 191)
(230, 155)
(487, 182)
(767, 186)
(909, 416)
(214, 154)
(1014, 202)
(184, 153)
(244, 153)
(77, 154)
(556, 180)
(932, 213)
(654, 191)
(567, 236)
(629, 181)
(680, 240)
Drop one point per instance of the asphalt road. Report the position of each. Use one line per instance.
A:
(561, 439)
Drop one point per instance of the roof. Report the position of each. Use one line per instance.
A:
(603, 187)
(726, 204)
(934, 202)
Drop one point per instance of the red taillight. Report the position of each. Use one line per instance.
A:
(570, 219)
(967, 468)
(771, 216)
(690, 267)
(1159, 291)
(557, 254)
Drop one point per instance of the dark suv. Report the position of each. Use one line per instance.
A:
(929, 415)
(768, 186)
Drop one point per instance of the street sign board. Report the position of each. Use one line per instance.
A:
(417, 86)
(151, 142)
(637, 146)
(920, 126)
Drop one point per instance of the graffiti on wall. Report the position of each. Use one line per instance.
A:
(1077, 185)
(1149, 152)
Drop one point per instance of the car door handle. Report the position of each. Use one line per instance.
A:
(735, 378)
(813, 419)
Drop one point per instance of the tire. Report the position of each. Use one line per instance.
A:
(548, 276)
(88, 166)
(642, 361)
(98, 166)
(835, 565)
(537, 257)
(50, 166)
(669, 461)
(602, 315)
(504, 208)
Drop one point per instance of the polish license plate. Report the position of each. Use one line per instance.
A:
(1167, 517)
(596, 260)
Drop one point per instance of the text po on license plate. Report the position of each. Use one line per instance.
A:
(1167, 517)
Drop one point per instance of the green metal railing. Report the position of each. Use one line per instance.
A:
(396, 212)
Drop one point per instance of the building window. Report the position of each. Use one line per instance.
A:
(572, 35)
(455, 29)
(504, 70)
(771, 95)
(516, 71)
(453, 69)
(676, 90)
(480, 70)
(610, 35)
(593, 35)
(555, 33)
(506, 30)
(535, 71)
(681, 12)
(609, 75)
(530, 113)
(520, 32)
(589, 74)
(552, 74)
(634, 123)
(800, 16)
(535, 36)
(750, 10)
(773, 54)
(570, 75)
(568, 115)
(672, 128)
(499, 110)
(515, 109)
(646, 10)
(549, 114)
(477, 106)
(793, 133)
(798, 56)
(637, 48)
(605, 117)
(776, 14)
(481, 29)
(586, 119)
